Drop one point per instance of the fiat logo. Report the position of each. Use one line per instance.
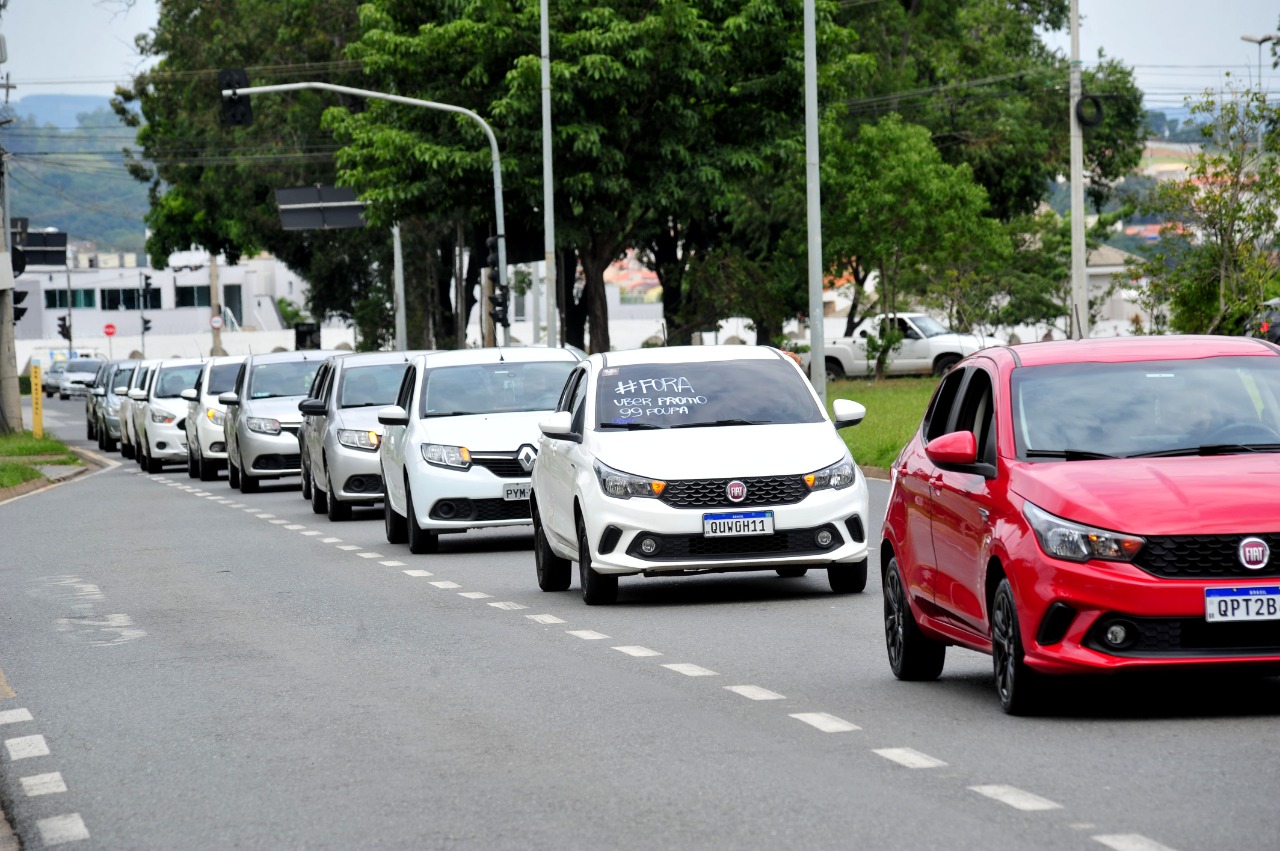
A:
(737, 491)
(1254, 553)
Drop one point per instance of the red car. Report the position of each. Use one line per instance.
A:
(1090, 506)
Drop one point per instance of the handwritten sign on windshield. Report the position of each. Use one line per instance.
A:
(668, 396)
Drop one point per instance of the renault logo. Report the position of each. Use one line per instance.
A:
(526, 456)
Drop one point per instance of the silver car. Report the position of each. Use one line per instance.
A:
(340, 431)
(262, 422)
(160, 413)
(77, 376)
(138, 379)
(106, 403)
(206, 442)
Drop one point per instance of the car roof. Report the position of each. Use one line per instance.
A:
(687, 354)
(164, 364)
(290, 357)
(349, 359)
(81, 362)
(1126, 349)
(498, 354)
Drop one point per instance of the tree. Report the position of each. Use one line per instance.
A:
(1215, 262)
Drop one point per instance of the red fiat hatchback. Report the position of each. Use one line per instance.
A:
(1090, 506)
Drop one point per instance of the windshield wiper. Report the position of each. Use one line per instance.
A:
(630, 426)
(1210, 449)
(1068, 454)
(450, 413)
(715, 423)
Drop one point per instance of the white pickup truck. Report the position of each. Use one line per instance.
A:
(927, 348)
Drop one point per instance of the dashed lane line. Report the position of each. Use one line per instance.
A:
(545, 619)
(445, 583)
(508, 606)
(637, 650)
(1129, 842)
(369, 555)
(277, 522)
(13, 716)
(311, 532)
(348, 547)
(909, 758)
(418, 573)
(43, 784)
(755, 693)
(1016, 798)
(62, 829)
(391, 563)
(474, 595)
(586, 634)
(293, 527)
(331, 540)
(25, 747)
(690, 670)
(264, 516)
(825, 722)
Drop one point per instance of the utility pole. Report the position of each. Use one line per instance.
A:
(10, 394)
(817, 329)
(215, 306)
(1078, 320)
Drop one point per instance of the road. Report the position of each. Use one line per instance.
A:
(185, 667)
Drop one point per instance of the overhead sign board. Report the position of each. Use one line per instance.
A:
(319, 208)
(46, 248)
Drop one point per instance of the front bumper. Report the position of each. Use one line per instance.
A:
(354, 474)
(211, 438)
(111, 421)
(464, 499)
(166, 441)
(270, 455)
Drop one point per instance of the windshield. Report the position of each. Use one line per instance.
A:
(222, 378)
(362, 386)
(678, 395)
(173, 380)
(493, 388)
(1153, 407)
(287, 378)
(929, 326)
(122, 377)
(79, 366)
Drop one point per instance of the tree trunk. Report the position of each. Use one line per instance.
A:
(670, 270)
(573, 313)
(594, 264)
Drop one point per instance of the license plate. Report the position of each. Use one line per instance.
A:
(737, 524)
(517, 491)
(1255, 603)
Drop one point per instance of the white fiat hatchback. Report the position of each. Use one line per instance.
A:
(460, 442)
(695, 459)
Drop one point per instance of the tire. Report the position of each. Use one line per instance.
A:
(1018, 687)
(109, 443)
(835, 372)
(319, 499)
(63, 396)
(943, 364)
(90, 430)
(338, 510)
(233, 474)
(554, 572)
(207, 471)
(792, 572)
(848, 578)
(420, 542)
(102, 434)
(193, 469)
(306, 479)
(598, 589)
(153, 466)
(913, 656)
(396, 527)
(249, 484)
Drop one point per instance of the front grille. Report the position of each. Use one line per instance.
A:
(502, 466)
(1199, 556)
(277, 462)
(290, 429)
(481, 510)
(761, 490)
(698, 547)
(1190, 637)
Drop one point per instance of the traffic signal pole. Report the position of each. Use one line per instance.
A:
(10, 393)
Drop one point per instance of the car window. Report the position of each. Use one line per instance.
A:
(141, 376)
(937, 417)
(122, 377)
(578, 406)
(222, 377)
(362, 386)
(282, 378)
(570, 387)
(976, 414)
(681, 395)
(493, 388)
(407, 384)
(171, 381)
(320, 384)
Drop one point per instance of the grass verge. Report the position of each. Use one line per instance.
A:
(21, 452)
(894, 406)
(12, 474)
(24, 444)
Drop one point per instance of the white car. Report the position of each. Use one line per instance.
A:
(696, 459)
(138, 380)
(206, 443)
(160, 413)
(460, 442)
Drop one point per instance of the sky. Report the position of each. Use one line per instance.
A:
(1176, 47)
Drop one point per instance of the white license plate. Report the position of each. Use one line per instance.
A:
(736, 524)
(1255, 603)
(519, 490)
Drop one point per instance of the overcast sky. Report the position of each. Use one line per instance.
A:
(1176, 47)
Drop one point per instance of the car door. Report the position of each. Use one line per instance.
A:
(913, 354)
(231, 422)
(311, 436)
(964, 502)
(391, 452)
(555, 503)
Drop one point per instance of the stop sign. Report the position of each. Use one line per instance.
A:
(109, 330)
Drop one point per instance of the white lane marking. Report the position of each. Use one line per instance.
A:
(825, 722)
(235, 504)
(43, 784)
(311, 533)
(25, 747)
(369, 555)
(277, 522)
(60, 829)
(391, 563)
(264, 516)
(588, 634)
(474, 595)
(1016, 798)
(547, 619)
(1130, 842)
(418, 573)
(908, 757)
(331, 540)
(636, 650)
(13, 716)
(250, 510)
(508, 607)
(348, 547)
(293, 527)
(690, 670)
(446, 584)
(755, 693)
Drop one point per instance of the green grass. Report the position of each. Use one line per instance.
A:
(894, 409)
(21, 444)
(12, 475)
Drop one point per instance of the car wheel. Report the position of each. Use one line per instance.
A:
(943, 364)
(420, 541)
(319, 499)
(792, 572)
(598, 589)
(397, 529)
(848, 578)
(835, 372)
(233, 475)
(554, 572)
(306, 479)
(338, 510)
(153, 465)
(63, 396)
(91, 433)
(193, 469)
(207, 470)
(912, 654)
(1017, 685)
(249, 484)
(109, 443)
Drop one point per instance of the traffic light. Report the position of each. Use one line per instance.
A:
(236, 109)
(19, 296)
(146, 325)
(499, 312)
(491, 262)
(146, 282)
(64, 331)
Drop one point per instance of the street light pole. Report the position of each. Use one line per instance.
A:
(1260, 40)
(1078, 320)
(548, 194)
(813, 199)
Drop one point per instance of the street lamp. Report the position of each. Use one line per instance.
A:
(1260, 40)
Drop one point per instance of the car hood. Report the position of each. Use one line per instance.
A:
(486, 432)
(282, 408)
(361, 419)
(1221, 494)
(721, 452)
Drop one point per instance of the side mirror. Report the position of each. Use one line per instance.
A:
(122, 390)
(190, 394)
(912, 334)
(958, 447)
(846, 412)
(393, 415)
(559, 424)
(312, 407)
(99, 391)
(229, 398)
(137, 394)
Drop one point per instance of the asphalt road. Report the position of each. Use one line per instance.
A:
(184, 667)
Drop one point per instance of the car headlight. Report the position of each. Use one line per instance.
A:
(839, 475)
(214, 416)
(356, 439)
(457, 457)
(262, 425)
(622, 485)
(1076, 542)
(161, 416)
(113, 403)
